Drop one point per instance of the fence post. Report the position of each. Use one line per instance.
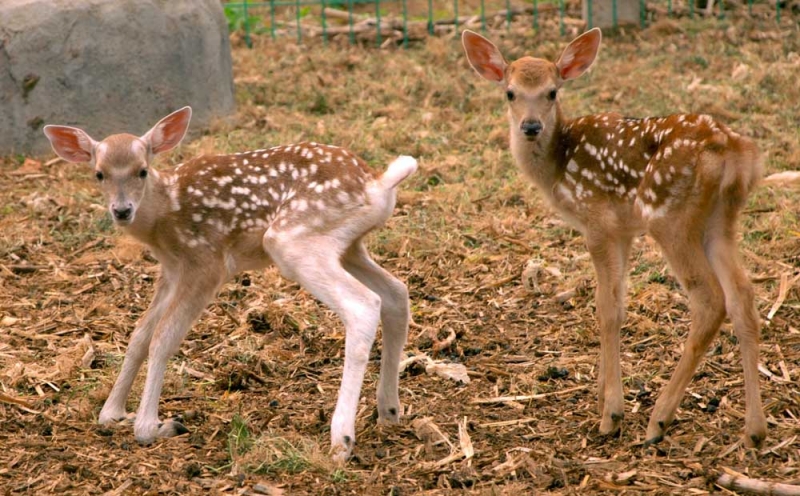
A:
(430, 16)
(324, 24)
(643, 13)
(378, 22)
(299, 33)
(614, 21)
(272, 18)
(247, 39)
(350, 21)
(405, 25)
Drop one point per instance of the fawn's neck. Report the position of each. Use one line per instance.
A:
(542, 159)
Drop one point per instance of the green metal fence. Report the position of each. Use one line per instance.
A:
(283, 17)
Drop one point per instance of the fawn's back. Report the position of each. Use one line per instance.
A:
(650, 165)
(226, 197)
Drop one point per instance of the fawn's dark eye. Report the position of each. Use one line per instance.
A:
(552, 95)
(510, 95)
(143, 173)
(99, 175)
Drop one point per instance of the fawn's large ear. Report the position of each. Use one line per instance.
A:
(484, 57)
(579, 54)
(169, 131)
(70, 143)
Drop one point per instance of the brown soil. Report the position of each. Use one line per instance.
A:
(256, 379)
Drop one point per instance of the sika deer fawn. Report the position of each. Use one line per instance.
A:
(683, 179)
(305, 207)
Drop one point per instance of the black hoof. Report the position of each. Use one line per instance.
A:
(651, 442)
(180, 428)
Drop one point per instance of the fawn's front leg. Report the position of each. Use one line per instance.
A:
(192, 294)
(610, 258)
(114, 408)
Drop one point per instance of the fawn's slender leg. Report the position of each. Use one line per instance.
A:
(192, 294)
(320, 272)
(394, 317)
(114, 407)
(682, 243)
(610, 258)
(740, 304)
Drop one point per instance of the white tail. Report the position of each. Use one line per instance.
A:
(683, 179)
(304, 207)
(398, 170)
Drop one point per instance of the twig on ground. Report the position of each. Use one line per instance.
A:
(738, 482)
(506, 399)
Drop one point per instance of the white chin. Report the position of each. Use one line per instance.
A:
(123, 223)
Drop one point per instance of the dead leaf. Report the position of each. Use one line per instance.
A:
(29, 166)
(88, 356)
(784, 178)
(8, 321)
(268, 489)
(426, 430)
(454, 371)
(740, 72)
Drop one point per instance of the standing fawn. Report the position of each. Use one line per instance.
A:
(305, 207)
(683, 179)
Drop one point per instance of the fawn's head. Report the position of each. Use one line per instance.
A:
(121, 162)
(531, 84)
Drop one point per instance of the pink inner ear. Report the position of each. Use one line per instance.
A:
(579, 55)
(496, 71)
(67, 144)
(483, 56)
(169, 132)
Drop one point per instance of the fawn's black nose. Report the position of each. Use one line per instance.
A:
(531, 128)
(122, 213)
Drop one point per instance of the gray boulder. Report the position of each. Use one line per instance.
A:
(109, 66)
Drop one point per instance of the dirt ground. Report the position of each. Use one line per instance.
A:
(498, 284)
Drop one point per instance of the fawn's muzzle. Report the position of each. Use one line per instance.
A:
(122, 214)
(531, 128)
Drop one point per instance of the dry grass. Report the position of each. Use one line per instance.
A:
(256, 379)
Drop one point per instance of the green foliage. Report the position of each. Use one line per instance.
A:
(287, 458)
(238, 21)
(701, 61)
(239, 439)
(320, 105)
(339, 475)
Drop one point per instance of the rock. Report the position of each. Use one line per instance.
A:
(628, 13)
(109, 67)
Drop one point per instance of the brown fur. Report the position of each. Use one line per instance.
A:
(683, 179)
